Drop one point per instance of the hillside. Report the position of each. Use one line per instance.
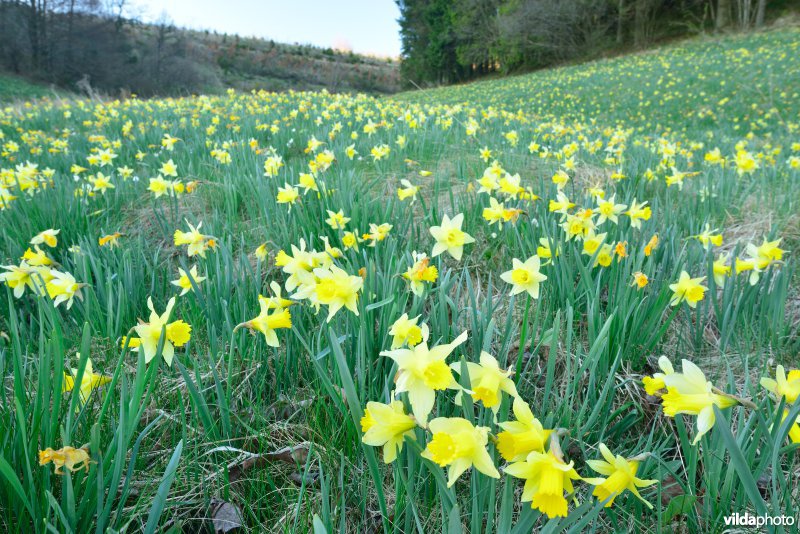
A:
(739, 83)
(94, 51)
(560, 302)
(18, 88)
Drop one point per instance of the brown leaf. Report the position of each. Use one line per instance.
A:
(309, 478)
(225, 516)
(285, 408)
(236, 470)
(290, 455)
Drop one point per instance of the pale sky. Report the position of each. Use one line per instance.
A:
(365, 26)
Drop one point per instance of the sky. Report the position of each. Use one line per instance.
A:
(363, 26)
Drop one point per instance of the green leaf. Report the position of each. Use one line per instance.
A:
(680, 505)
(163, 490)
(739, 462)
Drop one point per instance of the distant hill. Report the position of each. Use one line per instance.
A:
(84, 49)
(251, 63)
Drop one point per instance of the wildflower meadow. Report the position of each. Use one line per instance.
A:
(561, 302)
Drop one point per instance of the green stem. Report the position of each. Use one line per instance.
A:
(523, 336)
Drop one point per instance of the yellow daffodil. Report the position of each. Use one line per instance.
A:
(640, 279)
(261, 252)
(459, 445)
(267, 323)
(71, 458)
(337, 220)
(37, 259)
(423, 371)
(620, 475)
(546, 478)
(707, 238)
(638, 213)
(272, 165)
(609, 210)
(786, 386)
(688, 392)
(377, 232)
(689, 289)
(110, 240)
(449, 237)
(288, 194)
(545, 249)
(408, 190)
(421, 271)
(62, 287)
(276, 301)
(177, 333)
(525, 276)
(721, 270)
(405, 331)
(25, 276)
(185, 280)
(653, 384)
(169, 168)
(651, 245)
(89, 382)
(48, 237)
(387, 425)
(523, 436)
(308, 182)
(197, 242)
(333, 288)
(488, 381)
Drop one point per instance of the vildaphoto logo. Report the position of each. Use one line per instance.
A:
(749, 520)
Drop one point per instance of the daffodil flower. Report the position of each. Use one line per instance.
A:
(62, 287)
(334, 288)
(186, 279)
(488, 381)
(525, 276)
(689, 289)
(197, 242)
(547, 477)
(421, 271)
(49, 237)
(89, 382)
(177, 333)
(620, 475)
(387, 425)
(70, 457)
(459, 445)
(268, 322)
(450, 238)
(521, 437)
(422, 372)
(688, 392)
(405, 331)
(784, 386)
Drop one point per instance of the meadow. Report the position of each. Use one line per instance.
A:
(564, 301)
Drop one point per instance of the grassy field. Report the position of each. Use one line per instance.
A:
(434, 312)
(14, 88)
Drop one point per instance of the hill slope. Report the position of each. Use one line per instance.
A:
(745, 82)
(83, 51)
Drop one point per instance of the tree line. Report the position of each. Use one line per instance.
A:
(445, 41)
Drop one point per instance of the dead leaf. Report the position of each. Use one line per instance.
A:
(285, 408)
(309, 478)
(225, 516)
(237, 469)
(290, 455)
